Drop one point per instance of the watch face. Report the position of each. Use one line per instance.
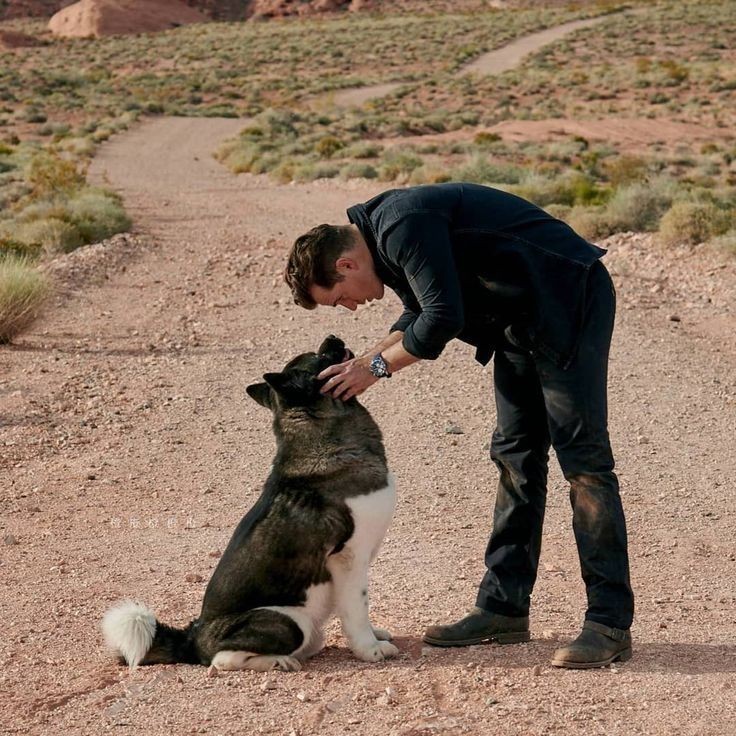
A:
(378, 367)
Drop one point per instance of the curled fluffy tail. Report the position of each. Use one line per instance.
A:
(131, 630)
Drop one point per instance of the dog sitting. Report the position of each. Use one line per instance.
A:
(300, 554)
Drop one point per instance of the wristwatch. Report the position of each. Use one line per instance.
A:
(379, 367)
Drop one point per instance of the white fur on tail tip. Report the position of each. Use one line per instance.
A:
(129, 628)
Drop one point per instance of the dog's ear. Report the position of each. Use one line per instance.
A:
(295, 387)
(261, 393)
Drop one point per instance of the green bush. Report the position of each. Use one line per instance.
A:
(569, 189)
(65, 223)
(97, 215)
(625, 169)
(23, 291)
(357, 170)
(591, 223)
(49, 234)
(690, 223)
(398, 163)
(639, 207)
(50, 175)
(482, 171)
(429, 174)
(328, 146)
(362, 149)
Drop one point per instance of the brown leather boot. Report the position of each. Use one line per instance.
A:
(479, 627)
(597, 646)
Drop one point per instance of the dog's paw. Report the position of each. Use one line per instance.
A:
(286, 664)
(382, 634)
(376, 652)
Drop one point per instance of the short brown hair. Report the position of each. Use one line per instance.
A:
(312, 261)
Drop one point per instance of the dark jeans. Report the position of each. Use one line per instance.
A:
(539, 405)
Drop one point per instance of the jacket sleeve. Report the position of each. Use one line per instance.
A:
(407, 318)
(420, 245)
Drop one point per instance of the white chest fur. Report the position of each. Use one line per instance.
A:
(346, 594)
(372, 514)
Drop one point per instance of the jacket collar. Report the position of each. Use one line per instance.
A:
(358, 216)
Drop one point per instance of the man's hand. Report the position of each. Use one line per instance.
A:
(348, 379)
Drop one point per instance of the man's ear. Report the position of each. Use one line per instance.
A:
(295, 387)
(345, 263)
(261, 393)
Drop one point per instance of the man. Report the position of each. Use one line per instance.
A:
(501, 274)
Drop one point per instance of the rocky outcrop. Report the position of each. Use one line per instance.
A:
(94, 18)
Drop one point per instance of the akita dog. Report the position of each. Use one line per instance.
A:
(300, 554)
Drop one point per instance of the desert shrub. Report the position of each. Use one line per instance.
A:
(482, 171)
(362, 149)
(238, 156)
(570, 188)
(560, 211)
(357, 170)
(49, 234)
(639, 207)
(309, 171)
(328, 146)
(485, 138)
(430, 174)
(591, 223)
(77, 146)
(49, 175)
(64, 223)
(398, 163)
(691, 223)
(23, 291)
(625, 169)
(97, 214)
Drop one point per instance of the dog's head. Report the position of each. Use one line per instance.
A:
(297, 385)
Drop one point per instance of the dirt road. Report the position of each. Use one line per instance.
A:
(130, 451)
(493, 62)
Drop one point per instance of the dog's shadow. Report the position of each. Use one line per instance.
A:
(676, 657)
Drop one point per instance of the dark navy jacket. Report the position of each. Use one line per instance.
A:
(471, 262)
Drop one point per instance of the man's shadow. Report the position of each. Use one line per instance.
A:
(676, 657)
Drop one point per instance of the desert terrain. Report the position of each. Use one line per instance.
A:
(129, 451)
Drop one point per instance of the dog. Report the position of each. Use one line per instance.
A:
(303, 550)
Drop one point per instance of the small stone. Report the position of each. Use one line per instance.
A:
(268, 685)
(642, 440)
(453, 429)
(302, 697)
(673, 318)
(212, 671)
(491, 701)
(9, 539)
(215, 553)
(193, 577)
(537, 670)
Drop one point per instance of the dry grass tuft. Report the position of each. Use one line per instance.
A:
(23, 292)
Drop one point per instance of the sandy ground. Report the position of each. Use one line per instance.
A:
(129, 451)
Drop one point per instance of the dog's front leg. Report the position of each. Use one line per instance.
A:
(350, 578)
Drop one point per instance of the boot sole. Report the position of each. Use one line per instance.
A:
(514, 637)
(623, 656)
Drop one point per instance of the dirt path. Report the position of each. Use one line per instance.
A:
(493, 62)
(129, 453)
